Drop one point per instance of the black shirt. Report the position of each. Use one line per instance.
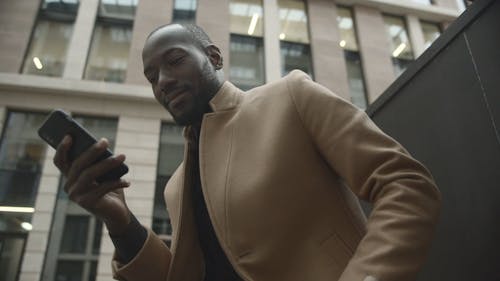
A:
(217, 266)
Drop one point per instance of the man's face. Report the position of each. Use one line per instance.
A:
(180, 72)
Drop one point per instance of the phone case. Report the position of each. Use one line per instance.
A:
(58, 124)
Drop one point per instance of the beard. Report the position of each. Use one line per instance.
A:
(201, 96)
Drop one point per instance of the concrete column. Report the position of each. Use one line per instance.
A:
(79, 44)
(17, 18)
(38, 237)
(416, 35)
(213, 17)
(328, 57)
(374, 49)
(271, 40)
(138, 138)
(149, 15)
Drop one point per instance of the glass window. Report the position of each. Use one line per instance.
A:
(21, 156)
(293, 21)
(184, 11)
(431, 32)
(423, 2)
(75, 236)
(295, 56)
(171, 154)
(294, 37)
(246, 17)
(401, 50)
(118, 8)
(49, 42)
(349, 42)
(247, 61)
(109, 51)
(246, 48)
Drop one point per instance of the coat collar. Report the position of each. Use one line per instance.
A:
(227, 97)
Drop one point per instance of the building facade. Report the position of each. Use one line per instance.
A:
(84, 56)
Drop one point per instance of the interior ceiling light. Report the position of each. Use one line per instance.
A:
(253, 24)
(282, 36)
(399, 50)
(37, 63)
(27, 226)
(11, 209)
(342, 43)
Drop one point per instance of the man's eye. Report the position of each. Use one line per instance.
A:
(176, 60)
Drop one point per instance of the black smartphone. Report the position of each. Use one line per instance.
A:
(58, 124)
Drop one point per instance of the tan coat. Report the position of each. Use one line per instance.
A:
(275, 164)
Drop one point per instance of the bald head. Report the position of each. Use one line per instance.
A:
(196, 33)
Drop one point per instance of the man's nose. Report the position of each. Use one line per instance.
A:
(166, 81)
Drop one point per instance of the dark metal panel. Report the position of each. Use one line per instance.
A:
(485, 48)
(444, 111)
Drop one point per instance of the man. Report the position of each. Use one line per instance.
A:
(266, 190)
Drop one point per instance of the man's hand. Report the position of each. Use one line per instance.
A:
(105, 200)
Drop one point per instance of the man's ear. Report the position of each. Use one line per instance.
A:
(215, 56)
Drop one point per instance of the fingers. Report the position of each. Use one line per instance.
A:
(85, 181)
(61, 158)
(89, 200)
(85, 160)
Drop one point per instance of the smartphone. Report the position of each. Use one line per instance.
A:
(58, 124)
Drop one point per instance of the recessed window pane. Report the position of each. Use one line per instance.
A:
(93, 271)
(109, 52)
(431, 32)
(347, 31)
(49, 43)
(171, 154)
(11, 251)
(184, 11)
(96, 244)
(398, 37)
(246, 17)
(355, 78)
(293, 21)
(400, 46)
(46, 54)
(21, 156)
(423, 2)
(118, 8)
(69, 271)
(74, 239)
(247, 61)
(295, 56)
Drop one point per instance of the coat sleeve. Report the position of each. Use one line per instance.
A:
(151, 263)
(379, 170)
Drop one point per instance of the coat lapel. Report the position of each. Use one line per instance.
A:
(215, 154)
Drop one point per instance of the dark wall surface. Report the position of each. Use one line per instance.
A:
(445, 109)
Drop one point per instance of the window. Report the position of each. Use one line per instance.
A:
(49, 42)
(294, 37)
(246, 47)
(21, 156)
(431, 32)
(401, 50)
(109, 51)
(184, 11)
(423, 2)
(75, 236)
(171, 153)
(349, 42)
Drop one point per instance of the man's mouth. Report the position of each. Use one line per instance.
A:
(172, 99)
